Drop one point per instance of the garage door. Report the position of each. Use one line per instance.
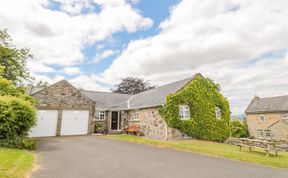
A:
(74, 122)
(46, 124)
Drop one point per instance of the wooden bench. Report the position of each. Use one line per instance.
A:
(243, 145)
(268, 146)
(134, 130)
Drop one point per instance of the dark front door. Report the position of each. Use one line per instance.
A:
(114, 123)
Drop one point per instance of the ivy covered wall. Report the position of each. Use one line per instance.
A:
(202, 96)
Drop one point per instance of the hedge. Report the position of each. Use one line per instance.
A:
(238, 128)
(17, 116)
(202, 96)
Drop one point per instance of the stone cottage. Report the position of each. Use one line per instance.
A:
(268, 117)
(64, 110)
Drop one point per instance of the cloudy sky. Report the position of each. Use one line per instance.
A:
(241, 44)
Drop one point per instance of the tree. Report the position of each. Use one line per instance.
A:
(238, 128)
(42, 84)
(17, 115)
(132, 85)
(13, 60)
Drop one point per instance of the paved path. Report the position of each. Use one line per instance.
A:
(96, 157)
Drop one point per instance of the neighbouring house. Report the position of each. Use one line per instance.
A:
(65, 110)
(268, 117)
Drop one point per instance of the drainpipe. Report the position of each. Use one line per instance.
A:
(166, 131)
(166, 127)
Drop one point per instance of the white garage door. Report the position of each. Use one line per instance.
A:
(74, 122)
(46, 124)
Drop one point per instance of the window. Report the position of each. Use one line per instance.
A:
(285, 116)
(264, 134)
(184, 112)
(136, 116)
(218, 112)
(261, 118)
(100, 115)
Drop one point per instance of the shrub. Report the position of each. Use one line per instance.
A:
(202, 95)
(238, 129)
(17, 116)
(19, 143)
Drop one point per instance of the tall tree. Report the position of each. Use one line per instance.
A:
(42, 84)
(13, 60)
(132, 85)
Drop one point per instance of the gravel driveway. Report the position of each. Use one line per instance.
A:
(94, 156)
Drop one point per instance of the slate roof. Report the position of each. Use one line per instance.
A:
(150, 98)
(106, 99)
(35, 90)
(270, 104)
(277, 122)
(157, 96)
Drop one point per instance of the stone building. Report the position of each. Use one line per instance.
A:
(268, 117)
(65, 110)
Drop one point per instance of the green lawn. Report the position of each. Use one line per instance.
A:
(15, 163)
(257, 156)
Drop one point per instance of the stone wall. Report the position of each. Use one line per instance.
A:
(153, 125)
(61, 96)
(279, 130)
(254, 124)
(103, 123)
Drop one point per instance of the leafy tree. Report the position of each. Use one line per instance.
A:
(42, 84)
(238, 128)
(13, 60)
(17, 115)
(132, 85)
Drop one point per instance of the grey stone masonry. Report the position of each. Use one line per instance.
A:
(63, 96)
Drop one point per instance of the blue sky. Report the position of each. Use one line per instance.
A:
(157, 10)
(240, 44)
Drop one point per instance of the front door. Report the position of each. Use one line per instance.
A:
(114, 123)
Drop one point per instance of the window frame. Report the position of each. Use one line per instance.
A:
(98, 115)
(184, 112)
(136, 116)
(285, 114)
(259, 118)
(218, 112)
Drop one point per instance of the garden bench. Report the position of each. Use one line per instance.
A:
(243, 145)
(268, 146)
(133, 129)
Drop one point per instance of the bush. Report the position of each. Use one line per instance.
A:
(19, 143)
(17, 116)
(202, 95)
(238, 129)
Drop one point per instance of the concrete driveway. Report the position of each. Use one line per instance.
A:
(92, 156)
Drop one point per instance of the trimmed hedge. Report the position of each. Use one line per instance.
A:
(17, 116)
(19, 143)
(202, 95)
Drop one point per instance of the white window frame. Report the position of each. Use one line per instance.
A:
(262, 120)
(218, 112)
(284, 116)
(136, 116)
(184, 112)
(262, 134)
(100, 116)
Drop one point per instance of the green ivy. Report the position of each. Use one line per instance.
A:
(202, 95)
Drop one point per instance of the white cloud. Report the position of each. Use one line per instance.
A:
(72, 71)
(105, 54)
(218, 38)
(57, 37)
(39, 68)
(88, 82)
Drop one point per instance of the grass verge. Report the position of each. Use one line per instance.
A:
(257, 156)
(16, 163)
